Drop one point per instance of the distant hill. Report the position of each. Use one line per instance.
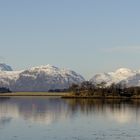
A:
(125, 76)
(42, 78)
(4, 67)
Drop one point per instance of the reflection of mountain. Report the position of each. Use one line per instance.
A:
(44, 110)
(35, 109)
(51, 110)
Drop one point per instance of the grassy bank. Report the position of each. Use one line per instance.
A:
(64, 95)
(59, 94)
(100, 97)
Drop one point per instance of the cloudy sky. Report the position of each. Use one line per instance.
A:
(88, 36)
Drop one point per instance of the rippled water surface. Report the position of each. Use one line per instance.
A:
(46, 118)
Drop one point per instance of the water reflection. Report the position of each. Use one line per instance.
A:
(34, 109)
(51, 110)
(121, 111)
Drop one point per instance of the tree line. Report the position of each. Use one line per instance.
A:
(90, 89)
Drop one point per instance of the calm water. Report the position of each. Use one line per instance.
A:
(68, 119)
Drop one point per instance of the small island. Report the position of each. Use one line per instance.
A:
(86, 89)
(114, 91)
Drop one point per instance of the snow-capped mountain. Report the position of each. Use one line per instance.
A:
(4, 67)
(122, 75)
(132, 81)
(41, 78)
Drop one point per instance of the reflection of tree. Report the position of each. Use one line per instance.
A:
(3, 99)
(98, 105)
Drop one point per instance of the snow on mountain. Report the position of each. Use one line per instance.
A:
(41, 78)
(4, 67)
(132, 81)
(120, 75)
(101, 77)
(8, 78)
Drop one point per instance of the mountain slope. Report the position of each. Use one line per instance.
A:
(4, 67)
(41, 78)
(121, 75)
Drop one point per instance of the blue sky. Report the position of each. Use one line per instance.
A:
(88, 36)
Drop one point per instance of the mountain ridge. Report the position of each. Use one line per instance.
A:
(40, 78)
(122, 75)
(48, 77)
(5, 67)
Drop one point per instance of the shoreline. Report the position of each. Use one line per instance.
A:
(97, 97)
(37, 94)
(63, 95)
